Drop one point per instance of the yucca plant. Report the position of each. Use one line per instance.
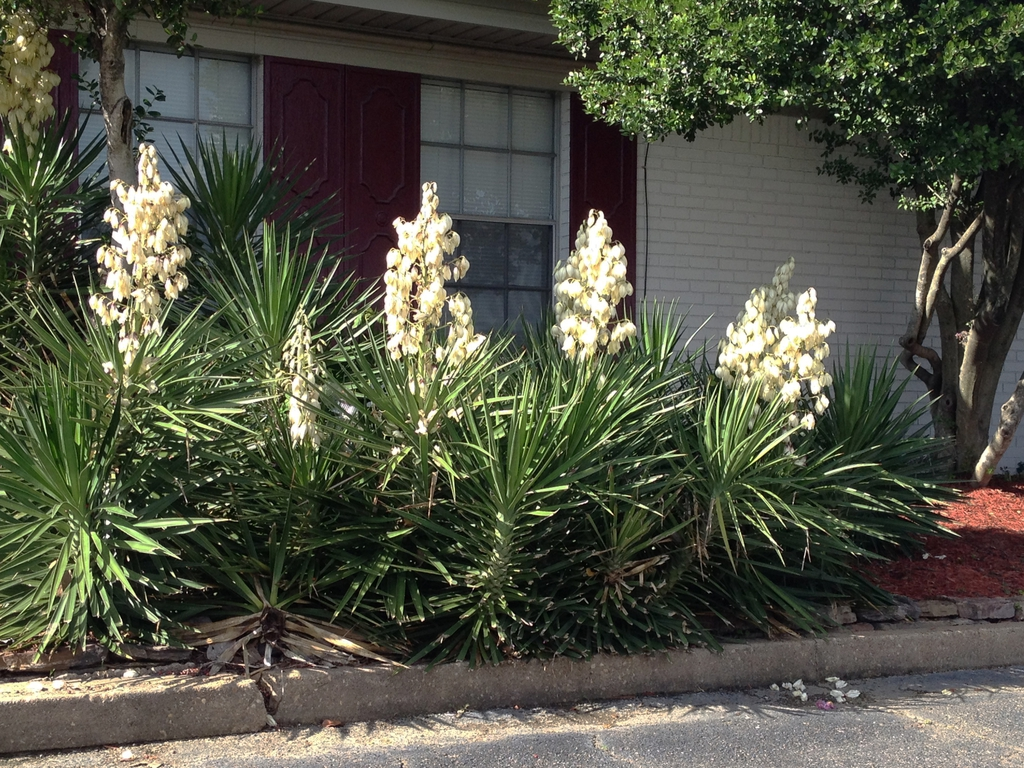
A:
(268, 282)
(289, 507)
(271, 573)
(764, 541)
(256, 636)
(741, 474)
(786, 518)
(98, 464)
(188, 384)
(47, 199)
(522, 491)
(629, 567)
(511, 463)
(291, 536)
(631, 584)
(233, 191)
(898, 484)
(478, 532)
(391, 429)
(87, 521)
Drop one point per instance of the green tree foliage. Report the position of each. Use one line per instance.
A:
(918, 97)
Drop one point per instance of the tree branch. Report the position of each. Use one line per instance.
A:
(918, 325)
(1009, 418)
(947, 214)
(948, 254)
(911, 350)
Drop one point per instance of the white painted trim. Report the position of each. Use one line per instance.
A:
(257, 100)
(643, 210)
(507, 14)
(431, 59)
(564, 242)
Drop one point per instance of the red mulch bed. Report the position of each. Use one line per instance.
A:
(986, 561)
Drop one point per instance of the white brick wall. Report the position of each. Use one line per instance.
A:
(720, 213)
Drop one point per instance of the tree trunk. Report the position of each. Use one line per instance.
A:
(923, 361)
(979, 377)
(975, 333)
(112, 29)
(1009, 417)
(998, 314)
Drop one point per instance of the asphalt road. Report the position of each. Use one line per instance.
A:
(971, 718)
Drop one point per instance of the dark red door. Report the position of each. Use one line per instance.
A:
(302, 120)
(356, 132)
(602, 175)
(382, 118)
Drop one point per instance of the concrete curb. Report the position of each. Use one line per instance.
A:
(125, 711)
(306, 696)
(96, 712)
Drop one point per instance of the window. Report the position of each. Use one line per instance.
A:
(492, 153)
(205, 97)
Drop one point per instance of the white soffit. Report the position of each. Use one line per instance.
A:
(526, 15)
(513, 25)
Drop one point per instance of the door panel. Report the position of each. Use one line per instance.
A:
(303, 119)
(382, 155)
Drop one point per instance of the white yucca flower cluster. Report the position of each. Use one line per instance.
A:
(143, 264)
(588, 287)
(300, 364)
(25, 85)
(415, 294)
(778, 345)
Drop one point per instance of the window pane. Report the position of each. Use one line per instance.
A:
(441, 165)
(168, 138)
(89, 70)
(483, 244)
(529, 254)
(94, 128)
(131, 77)
(225, 137)
(531, 186)
(175, 77)
(439, 113)
(486, 184)
(486, 118)
(488, 308)
(533, 123)
(503, 169)
(224, 91)
(525, 307)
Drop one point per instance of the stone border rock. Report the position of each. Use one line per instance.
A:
(973, 608)
(40, 716)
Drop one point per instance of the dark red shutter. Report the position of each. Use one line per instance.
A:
(602, 175)
(382, 118)
(303, 119)
(65, 64)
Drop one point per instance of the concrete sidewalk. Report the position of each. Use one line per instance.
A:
(37, 716)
